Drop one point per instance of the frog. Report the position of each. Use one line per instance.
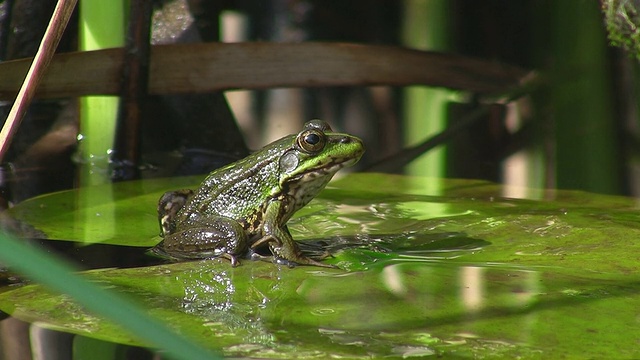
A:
(246, 205)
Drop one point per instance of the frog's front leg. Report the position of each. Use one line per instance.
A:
(202, 238)
(284, 249)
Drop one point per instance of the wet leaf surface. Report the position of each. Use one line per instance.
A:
(428, 267)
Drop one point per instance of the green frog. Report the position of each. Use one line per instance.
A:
(246, 204)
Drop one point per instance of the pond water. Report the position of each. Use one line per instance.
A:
(428, 268)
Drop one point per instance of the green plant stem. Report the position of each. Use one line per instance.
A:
(426, 27)
(55, 29)
(57, 275)
(587, 153)
(102, 25)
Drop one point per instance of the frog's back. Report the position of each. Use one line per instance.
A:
(237, 190)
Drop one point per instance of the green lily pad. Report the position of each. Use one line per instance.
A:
(428, 267)
(119, 214)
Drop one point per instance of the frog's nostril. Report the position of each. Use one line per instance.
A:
(345, 140)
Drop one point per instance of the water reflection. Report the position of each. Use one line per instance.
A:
(223, 308)
(396, 307)
(408, 302)
(405, 295)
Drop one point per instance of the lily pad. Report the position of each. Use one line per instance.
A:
(428, 267)
(120, 214)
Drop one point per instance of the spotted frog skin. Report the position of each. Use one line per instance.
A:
(246, 204)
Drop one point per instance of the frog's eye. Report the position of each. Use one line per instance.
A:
(311, 141)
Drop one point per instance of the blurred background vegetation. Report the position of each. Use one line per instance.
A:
(577, 128)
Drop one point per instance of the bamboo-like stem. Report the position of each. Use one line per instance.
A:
(102, 25)
(135, 78)
(55, 29)
(426, 26)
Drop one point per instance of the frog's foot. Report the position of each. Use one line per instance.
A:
(302, 260)
(254, 256)
(281, 256)
(291, 263)
(295, 257)
(263, 240)
(325, 254)
(232, 259)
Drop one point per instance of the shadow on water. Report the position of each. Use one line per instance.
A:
(86, 257)
(97, 256)
(437, 244)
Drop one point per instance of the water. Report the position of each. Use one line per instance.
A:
(399, 308)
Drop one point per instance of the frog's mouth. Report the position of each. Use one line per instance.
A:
(304, 186)
(334, 164)
(324, 170)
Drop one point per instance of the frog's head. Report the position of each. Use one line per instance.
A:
(316, 154)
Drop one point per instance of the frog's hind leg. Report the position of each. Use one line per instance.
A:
(301, 260)
(206, 239)
(182, 255)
